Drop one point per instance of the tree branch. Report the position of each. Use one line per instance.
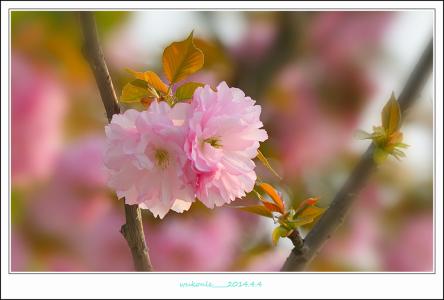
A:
(133, 229)
(335, 214)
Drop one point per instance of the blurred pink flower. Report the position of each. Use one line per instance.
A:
(77, 211)
(257, 40)
(270, 261)
(306, 137)
(356, 245)
(339, 37)
(19, 256)
(223, 139)
(81, 163)
(198, 243)
(76, 196)
(412, 249)
(103, 247)
(63, 262)
(38, 105)
(145, 158)
(320, 97)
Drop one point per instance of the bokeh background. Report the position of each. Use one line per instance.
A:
(319, 77)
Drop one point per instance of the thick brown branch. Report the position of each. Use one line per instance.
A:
(133, 233)
(340, 205)
(133, 229)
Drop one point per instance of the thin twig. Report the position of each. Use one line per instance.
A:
(133, 229)
(335, 214)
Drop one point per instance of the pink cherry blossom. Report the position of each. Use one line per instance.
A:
(224, 135)
(256, 42)
(270, 261)
(146, 161)
(411, 250)
(78, 214)
(197, 243)
(38, 106)
(338, 37)
(20, 256)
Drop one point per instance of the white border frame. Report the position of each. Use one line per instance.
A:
(161, 285)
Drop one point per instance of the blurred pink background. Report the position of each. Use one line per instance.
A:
(319, 77)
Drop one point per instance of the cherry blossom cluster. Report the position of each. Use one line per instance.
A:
(166, 157)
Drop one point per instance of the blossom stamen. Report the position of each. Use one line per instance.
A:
(214, 141)
(162, 158)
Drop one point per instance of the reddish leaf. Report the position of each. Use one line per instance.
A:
(307, 202)
(274, 196)
(272, 207)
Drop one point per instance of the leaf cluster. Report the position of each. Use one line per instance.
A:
(179, 60)
(387, 138)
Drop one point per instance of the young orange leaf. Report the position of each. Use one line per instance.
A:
(256, 209)
(273, 195)
(391, 115)
(307, 202)
(312, 201)
(152, 79)
(395, 138)
(181, 59)
(186, 91)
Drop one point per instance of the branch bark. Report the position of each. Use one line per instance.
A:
(133, 229)
(335, 214)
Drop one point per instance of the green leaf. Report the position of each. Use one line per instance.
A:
(398, 154)
(279, 232)
(256, 209)
(391, 115)
(265, 162)
(379, 135)
(401, 145)
(363, 135)
(134, 91)
(181, 59)
(379, 155)
(307, 215)
(186, 91)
